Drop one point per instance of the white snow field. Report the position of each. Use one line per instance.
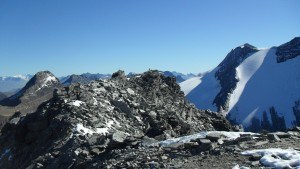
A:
(188, 85)
(204, 94)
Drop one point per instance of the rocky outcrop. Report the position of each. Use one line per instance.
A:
(103, 123)
(288, 50)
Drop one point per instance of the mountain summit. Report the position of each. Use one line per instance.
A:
(258, 88)
(91, 125)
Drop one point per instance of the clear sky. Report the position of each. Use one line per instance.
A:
(102, 36)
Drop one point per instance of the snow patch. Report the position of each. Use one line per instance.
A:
(238, 167)
(82, 130)
(277, 158)
(130, 91)
(95, 102)
(48, 81)
(76, 103)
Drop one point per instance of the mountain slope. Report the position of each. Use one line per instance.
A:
(38, 90)
(76, 79)
(39, 85)
(260, 89)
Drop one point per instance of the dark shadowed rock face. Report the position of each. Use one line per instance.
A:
(2, 96)
(93, 123)
(226, 74)
(288, 50)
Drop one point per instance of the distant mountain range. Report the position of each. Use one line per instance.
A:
(10, 85)
(258, 88)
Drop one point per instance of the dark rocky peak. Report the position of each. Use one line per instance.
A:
(120, 74)
(226, 73)
(41, 80)
(76, 79)
(97, 76)
(178, 77)
(237, 55)
(288, 50)
(131, 74)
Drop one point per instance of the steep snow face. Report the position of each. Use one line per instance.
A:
(205, 92)
(262, 84)
(265, 83)
(244, 72)
(188, 85)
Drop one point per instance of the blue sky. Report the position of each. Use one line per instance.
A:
(102, 36)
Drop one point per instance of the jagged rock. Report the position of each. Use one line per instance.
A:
(282, 134)
(205, 144)
(273, 137)
(255, 157)
(191, 145)
(214, 137)
(117, 139)
(146, 141)
(119, 75)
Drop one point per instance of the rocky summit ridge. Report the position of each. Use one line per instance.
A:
(93, 125)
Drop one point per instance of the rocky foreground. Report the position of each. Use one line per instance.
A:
(112, 123)
(138, 122)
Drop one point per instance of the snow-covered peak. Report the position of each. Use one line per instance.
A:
(258, 88)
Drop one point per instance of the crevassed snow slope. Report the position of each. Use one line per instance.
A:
(206, 91)
(266, 84)
(188, 85)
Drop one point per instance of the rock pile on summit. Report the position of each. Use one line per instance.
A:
(105, 123)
